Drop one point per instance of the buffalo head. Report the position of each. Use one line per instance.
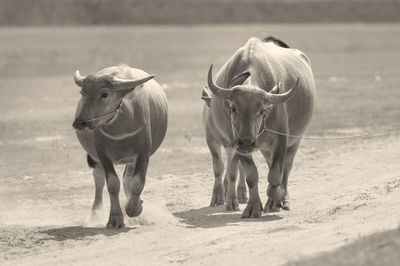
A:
(101, 98)
(248, 107)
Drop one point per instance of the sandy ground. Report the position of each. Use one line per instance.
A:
(338, 194)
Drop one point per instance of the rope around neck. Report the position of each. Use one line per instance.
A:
(367, 134)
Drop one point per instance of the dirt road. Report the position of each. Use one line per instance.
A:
(338, 194)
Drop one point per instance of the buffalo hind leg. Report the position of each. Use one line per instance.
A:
(242, 189)
(254, 206)
(134, 206)
(218, 166)
(232, 203)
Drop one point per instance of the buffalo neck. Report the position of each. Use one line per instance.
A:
(124, 125)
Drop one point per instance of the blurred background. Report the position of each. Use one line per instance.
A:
(354, 49)
(125, 12)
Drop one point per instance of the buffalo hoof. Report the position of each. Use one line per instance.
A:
(272, 206)
(286, 203)
(97, 214)
(134, 207)
(253, 209)
(232, 204)
(115, 221)
(276, 193)
(217, 198)
(242, 194)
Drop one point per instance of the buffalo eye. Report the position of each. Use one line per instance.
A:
(104, 95)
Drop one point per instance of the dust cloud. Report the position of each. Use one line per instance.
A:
(155, 214)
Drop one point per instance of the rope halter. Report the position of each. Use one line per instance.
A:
(114, 113)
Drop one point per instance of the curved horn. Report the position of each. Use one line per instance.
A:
(78, 79)
(126, 84)
(280, 98)
(217, 90)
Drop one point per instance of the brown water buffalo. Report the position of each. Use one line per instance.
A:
(121, 118)
(265, 84)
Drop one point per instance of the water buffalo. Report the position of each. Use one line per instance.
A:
(265, 84)
(121, 118)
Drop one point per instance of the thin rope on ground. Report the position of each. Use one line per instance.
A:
(368, 134)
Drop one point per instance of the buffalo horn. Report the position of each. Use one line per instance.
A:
(217, 90)
(78, 79)
(126, 84)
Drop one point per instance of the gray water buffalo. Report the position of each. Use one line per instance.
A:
(121, 118)
(264, 85)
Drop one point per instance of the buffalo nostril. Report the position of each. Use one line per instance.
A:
(247, 142)
(79, 124)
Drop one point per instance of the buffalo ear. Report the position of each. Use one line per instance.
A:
(239, 79)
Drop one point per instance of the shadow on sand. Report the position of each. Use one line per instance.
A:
(76, 232)
(209, 217)
(381, 248)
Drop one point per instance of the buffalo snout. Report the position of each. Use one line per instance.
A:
(246, 142)
(245, 145)
(80, 124)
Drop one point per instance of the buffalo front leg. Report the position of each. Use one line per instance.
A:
(254, 206)
(116, 219)
(127, 179)
(218, 167)
(99, 181)
(276, 191)
(232, 203)
(290, 154)
(242, 189)
(135, 184)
